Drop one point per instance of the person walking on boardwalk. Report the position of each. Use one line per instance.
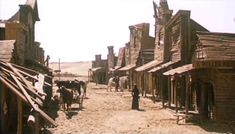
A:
(135, 100)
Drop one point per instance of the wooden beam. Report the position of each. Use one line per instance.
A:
(27, 96)
(44, 115)
(169, 91)
(13, 89)
(29, 70)
(19, 116)
(176, 96)
(21, 87)
(16, 88)
(2, 101)
(187, 81)
(23, 68)
(32, 77)
(26, 74)
(7, 72)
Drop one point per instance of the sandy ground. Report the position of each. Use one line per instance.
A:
(110, 113)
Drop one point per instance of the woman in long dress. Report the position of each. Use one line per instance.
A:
(135, 100)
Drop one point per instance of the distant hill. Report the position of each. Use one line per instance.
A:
(77, 68)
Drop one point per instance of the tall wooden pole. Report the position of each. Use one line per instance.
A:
(187, 81)
(19, 116)
(2, 103)
(59, 69)
(169, 91)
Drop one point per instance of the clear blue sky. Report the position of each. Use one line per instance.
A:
(76, 30)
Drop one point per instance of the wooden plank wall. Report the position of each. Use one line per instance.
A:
(224, 95)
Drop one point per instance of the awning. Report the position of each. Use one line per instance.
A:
(115, 68)
(147, 66)
(162, 66)
(128, 67)
(179, 70)
(96, 69)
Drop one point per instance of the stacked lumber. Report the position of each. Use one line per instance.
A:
(26, 86)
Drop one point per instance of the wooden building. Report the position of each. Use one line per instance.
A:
(21, 27)
(147, 81)
(98, 72)
(17, 32)
(179, 44)
(214, 62)
(210, 77)
(139, 40)
(14, 112)
(143, 77)
(120, 63)
(18, 53)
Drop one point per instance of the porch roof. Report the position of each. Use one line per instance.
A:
(115, 68)
(147, 66)
(162, 66)
(96, 69)
(127, 67)
(179, 70)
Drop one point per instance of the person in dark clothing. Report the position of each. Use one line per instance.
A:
(135, 100)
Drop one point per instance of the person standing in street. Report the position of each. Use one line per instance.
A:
(116, 80)
(135, 100)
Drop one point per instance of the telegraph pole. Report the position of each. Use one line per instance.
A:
(59, 68)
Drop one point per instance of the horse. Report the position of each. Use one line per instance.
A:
(67, 97)
(123, 83)
(111, 83)
(75, 86)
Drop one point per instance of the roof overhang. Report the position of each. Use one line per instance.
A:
(96, 69)
(114, 69)
(179, 70)
(162, 66)
(147, 66)
(128, 67)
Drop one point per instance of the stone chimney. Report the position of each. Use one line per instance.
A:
(110, 57)
(98, 60)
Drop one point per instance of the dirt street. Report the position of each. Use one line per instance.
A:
(110, 113)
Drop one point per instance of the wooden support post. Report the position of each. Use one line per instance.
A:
(162, 93)
(172, 89)
(37, 126)
(187, 81)
(169, 91)
(176, 96)
(33, 122)
(19, 116)
(2, 103)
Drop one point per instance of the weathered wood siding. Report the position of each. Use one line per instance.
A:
(225, 95)
(177, 37)
(121, 57)
(16, 31)
(159, 47)
(216, 47)
(127, 53)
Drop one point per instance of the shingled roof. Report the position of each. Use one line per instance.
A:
(216, 46)
(6, 50)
